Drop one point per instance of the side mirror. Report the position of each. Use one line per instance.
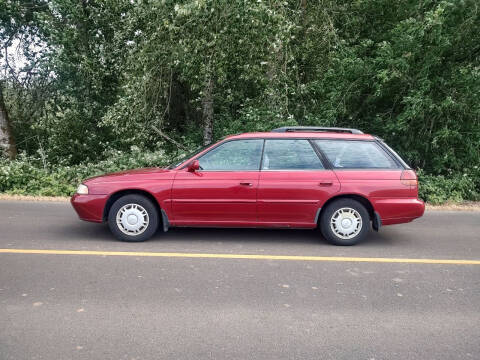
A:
(193, 166)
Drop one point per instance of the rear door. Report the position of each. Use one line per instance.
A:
(224, 190)
(293, 183)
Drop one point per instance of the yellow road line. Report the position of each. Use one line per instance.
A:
(241, 256)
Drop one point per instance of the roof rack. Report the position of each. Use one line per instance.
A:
(316, 129)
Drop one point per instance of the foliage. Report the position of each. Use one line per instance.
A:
(27, 175)
(441, 189)
(99, 74)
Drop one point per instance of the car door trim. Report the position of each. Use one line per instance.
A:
(287, 201)
(223, 201)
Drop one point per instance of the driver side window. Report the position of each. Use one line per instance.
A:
(235, 155)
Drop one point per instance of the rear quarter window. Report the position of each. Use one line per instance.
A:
(352, 154)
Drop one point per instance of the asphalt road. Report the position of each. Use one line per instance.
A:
(101, 306)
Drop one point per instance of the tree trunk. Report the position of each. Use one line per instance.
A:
(207, 106)
(303, 5)
(7, 143)
(303, 12)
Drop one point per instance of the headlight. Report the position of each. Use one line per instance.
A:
(82, 189)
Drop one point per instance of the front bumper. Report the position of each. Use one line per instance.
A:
(89, 207)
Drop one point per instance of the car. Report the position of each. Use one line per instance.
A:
(339, 180)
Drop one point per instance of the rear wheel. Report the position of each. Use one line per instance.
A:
(345, 222)
(133, 218)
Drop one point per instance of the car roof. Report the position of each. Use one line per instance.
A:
(301, 135)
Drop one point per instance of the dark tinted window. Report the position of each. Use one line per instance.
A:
(233, 155)
(344, 154)
(290, 154)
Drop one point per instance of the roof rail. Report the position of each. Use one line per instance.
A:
(316, 129)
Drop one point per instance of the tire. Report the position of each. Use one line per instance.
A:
(139, 221)
(356, 223)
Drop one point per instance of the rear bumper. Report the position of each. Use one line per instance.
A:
(399, 210)
(89, 207)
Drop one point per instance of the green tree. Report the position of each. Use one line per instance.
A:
(99, 75)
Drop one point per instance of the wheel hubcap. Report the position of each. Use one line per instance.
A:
(132, 219)
(346, 223)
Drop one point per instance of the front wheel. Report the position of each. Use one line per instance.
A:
(133, 218)
(345, 222)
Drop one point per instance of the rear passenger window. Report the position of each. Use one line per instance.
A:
(290, 154)
(344, 154)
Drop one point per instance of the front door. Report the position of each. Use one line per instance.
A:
(224, 190)
(293, 184)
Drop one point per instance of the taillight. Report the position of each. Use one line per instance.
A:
(409, 178)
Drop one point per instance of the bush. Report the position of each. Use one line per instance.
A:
(29, 176)
(438, 189)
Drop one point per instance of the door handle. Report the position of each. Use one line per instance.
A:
(325, 183)
(246, 184)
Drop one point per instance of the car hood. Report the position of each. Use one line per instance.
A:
(126, 175)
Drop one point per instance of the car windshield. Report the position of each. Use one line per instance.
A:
(181, 158)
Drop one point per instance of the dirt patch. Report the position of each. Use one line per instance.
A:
(466, 206)
(7, 197)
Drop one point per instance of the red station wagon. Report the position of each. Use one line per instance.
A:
(337, 179)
